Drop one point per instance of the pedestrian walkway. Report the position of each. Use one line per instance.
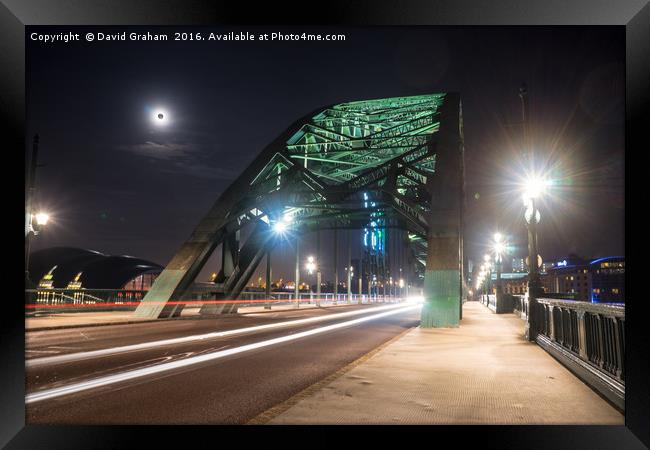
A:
(483, 372)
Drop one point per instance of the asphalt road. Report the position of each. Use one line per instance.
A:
(230, 390)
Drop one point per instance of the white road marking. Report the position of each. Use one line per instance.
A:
(48, 394)
(48, 360)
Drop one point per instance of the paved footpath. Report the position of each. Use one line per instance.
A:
(483, 372)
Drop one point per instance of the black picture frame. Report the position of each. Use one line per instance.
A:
(15, 14)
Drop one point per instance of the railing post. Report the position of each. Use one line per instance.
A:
(619, 348)
(531, 318)
(582, 335)
(551, 322)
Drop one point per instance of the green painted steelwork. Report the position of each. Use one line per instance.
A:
(441, 305)
(315, 176)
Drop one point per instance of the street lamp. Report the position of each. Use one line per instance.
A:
(499, 247)
(42, 218)
(488, 272)
(311, 265)
(534, 188)
(35, 224)
(282, 225)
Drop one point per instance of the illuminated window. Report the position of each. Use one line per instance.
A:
(615, 291)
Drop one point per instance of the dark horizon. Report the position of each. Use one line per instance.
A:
(115, 185)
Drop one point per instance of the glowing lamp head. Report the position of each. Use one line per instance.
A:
(311, 264)
(498, 237)
(535, 187)
(486, 258)
(42, 218)
(279, 227)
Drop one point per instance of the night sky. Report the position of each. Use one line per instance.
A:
(116, 184)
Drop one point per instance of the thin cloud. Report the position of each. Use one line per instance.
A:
(181, 158)
(165, 151)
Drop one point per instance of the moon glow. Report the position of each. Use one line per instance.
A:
(159, 117)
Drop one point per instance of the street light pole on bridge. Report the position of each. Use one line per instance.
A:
(531, 215)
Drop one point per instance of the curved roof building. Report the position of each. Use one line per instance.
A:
(98, 270)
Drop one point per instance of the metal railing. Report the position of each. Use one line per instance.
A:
(593, 332)
(40, 301)
(64, 300)
(587, 338)
(489, 300)
(520, 305)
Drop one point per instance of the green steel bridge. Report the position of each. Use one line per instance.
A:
(404, 155)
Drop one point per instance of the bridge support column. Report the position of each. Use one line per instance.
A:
(442, 278)
(441, 294)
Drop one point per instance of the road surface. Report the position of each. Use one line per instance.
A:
(181, 372)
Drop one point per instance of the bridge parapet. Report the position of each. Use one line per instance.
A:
(589, 339)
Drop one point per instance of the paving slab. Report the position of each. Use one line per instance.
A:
(483, 372)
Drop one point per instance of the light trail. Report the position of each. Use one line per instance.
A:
(74, 388)
(48, 360)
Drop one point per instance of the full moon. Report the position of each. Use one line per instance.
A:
(160, 117)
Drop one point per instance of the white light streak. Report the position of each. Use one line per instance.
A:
(73, 388)
(48, 360)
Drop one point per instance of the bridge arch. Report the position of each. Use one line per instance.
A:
(404, 155)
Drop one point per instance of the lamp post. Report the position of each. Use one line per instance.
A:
(499, 249)
(297, 281)
(318, 276)
(488, 271)
(268, 280)
(535, 187)
(311, 266)
(34, 222)
(480, 279)
(350, 270)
